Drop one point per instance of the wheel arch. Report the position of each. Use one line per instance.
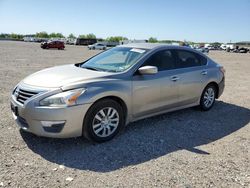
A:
(110, 97)
(118, 100)
(216, 87)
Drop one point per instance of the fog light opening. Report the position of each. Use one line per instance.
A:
(51, 123)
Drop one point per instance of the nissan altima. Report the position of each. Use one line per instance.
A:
(98, 97)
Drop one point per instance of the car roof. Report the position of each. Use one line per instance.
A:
(151, 46)
(142, 45)
(154, 46)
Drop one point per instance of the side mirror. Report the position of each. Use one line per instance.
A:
(148, 70)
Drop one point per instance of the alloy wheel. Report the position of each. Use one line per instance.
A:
(209, 97)
(105, 122)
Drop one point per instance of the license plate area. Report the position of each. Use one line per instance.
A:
(14, 109)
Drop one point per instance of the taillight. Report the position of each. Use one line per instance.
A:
(222, 70)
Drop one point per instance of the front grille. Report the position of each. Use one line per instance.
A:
(22, 95)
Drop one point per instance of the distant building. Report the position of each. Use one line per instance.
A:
(244, 44)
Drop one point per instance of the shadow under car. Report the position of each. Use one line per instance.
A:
(144, 140)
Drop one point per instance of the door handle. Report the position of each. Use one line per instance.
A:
(204, 72)
(175, 78)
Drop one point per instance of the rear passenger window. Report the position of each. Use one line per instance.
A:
(189, 59)
(163, 60)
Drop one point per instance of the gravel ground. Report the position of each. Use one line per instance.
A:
(187, 148)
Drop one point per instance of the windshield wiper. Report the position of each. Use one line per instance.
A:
(98, 69)
(91, 68)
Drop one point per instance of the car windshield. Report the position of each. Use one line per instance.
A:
(114, 60)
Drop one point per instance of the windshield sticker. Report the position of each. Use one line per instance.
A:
(137, 50)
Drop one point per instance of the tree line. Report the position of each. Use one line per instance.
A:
(46, 35)
(11, 36)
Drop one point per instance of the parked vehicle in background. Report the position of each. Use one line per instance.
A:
(243, 50)
(70, 41)
(213, 47)
(216, 48)
(98, 97)
(243, 44)
(185, 44)
(28, 39)
(230, 47)
(202, 49)
(97, 46)
(223, 46)
(80, 41)
(208, 46)
(132, 41)
(227, 47)
(240, 50)
(111, 43)
(41, 40)
(53, 44)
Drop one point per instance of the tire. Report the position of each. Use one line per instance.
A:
(208, 97)
(99, 128)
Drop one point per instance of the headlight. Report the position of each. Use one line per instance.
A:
(67, 98)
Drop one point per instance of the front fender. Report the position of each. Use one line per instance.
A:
(94, 91)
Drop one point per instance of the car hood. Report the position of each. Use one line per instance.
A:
(62, 75)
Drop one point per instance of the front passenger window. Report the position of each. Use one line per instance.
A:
(163, 60)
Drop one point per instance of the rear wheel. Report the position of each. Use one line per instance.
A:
(208, 97)
(103, 121)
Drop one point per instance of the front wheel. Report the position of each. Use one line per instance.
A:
(208, 98)
(103, 121)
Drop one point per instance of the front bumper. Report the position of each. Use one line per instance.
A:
(29, 117)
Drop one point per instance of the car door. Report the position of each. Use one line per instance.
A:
(49, 44)
(157, 92)
(191, 75)
(52, 45)
(57, 44)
